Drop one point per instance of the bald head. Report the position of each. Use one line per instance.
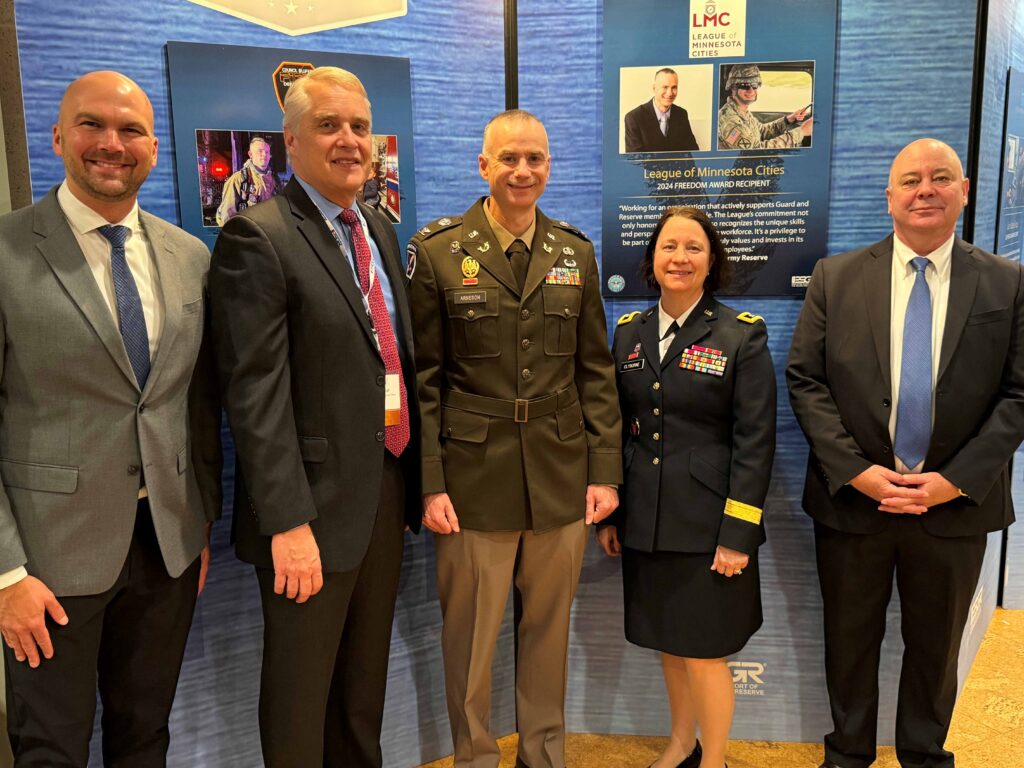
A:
(103, 83)
(104, 134)
(932, 148)
(927, 192)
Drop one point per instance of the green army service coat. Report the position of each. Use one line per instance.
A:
(517, 391)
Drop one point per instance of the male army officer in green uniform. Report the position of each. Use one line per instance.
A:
(738, 129)
(521, 435)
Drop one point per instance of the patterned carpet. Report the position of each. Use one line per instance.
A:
(988, 725)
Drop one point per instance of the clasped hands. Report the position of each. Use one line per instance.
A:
(910, 494)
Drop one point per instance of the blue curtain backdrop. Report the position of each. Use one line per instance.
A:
(898, 79)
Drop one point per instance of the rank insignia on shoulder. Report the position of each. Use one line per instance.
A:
(746, 317)
(628, 317)
(440, 225)
(571, 229)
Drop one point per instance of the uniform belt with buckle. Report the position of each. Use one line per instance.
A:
(519, 410)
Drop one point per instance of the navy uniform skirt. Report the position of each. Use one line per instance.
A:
(676, 604)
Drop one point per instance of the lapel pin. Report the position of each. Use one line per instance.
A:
(550, 236)
(548, 248)
(472, 234)
(485, 247)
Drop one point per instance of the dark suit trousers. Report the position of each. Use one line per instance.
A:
(936, 578)
(325, 662)
(133, 637)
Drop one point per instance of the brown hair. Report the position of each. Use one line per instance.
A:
(719, 270)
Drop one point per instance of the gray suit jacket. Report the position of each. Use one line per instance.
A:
(74, 428)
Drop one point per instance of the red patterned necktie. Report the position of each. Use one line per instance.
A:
(396, 437)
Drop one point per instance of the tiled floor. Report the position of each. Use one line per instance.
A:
(987, 732)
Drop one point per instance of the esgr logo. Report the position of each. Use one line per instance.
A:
(747, 677)
(799, 281)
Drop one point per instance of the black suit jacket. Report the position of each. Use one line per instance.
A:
(694, 441)
(643, 131)
(840, 388)
(303, 381)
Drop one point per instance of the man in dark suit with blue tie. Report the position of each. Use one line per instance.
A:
(907, 377)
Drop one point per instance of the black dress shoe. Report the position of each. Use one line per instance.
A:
(693, 760)
(828, 764)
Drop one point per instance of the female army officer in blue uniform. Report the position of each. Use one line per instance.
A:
(697, 391)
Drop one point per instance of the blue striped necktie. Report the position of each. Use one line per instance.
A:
(129, 306)
(914, 413)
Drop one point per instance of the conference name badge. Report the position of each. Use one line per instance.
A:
(563, 276)
(704, 360)
(392, 400)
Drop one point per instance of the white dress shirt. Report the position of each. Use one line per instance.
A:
(903, 275)
(665, 321)
(84, 222)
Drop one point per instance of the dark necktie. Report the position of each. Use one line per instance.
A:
(519, 260)
(669, 334)
(914, 412)
(396, 436)
(130, 316)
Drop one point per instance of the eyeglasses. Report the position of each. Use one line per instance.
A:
(747, 86)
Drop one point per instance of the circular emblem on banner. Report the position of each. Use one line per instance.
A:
(616, 283)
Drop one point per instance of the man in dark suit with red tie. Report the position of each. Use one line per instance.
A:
(314, 346)
(907, 377)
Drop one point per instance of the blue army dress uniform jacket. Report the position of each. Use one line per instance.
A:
(516, 389)
(698, 429)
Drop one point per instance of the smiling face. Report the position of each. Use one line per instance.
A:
(516, 165)
(682, 259)
(926, 193)
(666, 88)
(330, 145)
(105, 137)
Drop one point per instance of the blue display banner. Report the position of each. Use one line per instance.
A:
(227, 105)
(724, 105)
(1011, 188)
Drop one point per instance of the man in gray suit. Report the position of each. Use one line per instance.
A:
(109, 443)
